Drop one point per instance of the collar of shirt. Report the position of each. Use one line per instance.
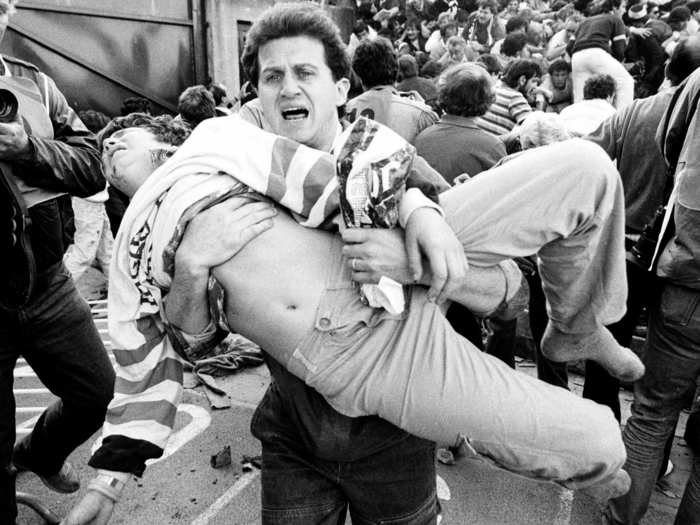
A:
(392, 89)
(457, 120)
(338, 134)
(5, 70)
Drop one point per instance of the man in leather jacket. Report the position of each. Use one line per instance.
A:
(46, 155)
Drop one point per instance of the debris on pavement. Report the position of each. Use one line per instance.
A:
(248, 463)
(222, 458)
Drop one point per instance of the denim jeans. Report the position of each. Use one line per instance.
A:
(312, 474)
(672, 360)
(57, 337)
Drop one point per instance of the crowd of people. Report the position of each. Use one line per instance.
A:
(527, 154)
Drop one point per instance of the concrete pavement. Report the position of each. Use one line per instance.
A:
(184, 489)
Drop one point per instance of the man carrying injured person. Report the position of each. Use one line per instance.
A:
(291, 288)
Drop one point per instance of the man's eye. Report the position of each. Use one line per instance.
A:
(305, 74)
(274, 77)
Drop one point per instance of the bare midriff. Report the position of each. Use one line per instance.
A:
(274, 285)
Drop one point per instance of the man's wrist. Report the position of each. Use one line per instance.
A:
(413, 200)
(189, 268)
(109, 484)
(27, 152)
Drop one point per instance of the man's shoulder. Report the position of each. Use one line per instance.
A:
(406, 103)
(19, 64)
(433, 133)
(505, 91)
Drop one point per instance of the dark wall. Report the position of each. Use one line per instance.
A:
(99, 56)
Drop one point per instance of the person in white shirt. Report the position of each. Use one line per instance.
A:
(584, 117)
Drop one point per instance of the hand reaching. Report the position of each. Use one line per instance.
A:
(427, 234)
(94, 509)
(220, 232)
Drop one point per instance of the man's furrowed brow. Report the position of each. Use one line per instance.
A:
(271, 69)
(307, 65)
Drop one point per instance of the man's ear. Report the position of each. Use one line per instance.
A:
(522, 81)
(342, 87)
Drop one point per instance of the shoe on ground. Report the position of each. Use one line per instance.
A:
(65, 481)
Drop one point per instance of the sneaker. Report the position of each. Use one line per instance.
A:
(64, 481)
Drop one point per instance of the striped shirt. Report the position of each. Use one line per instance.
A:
(508, 110)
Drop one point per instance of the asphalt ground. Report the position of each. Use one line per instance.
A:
(183, 488)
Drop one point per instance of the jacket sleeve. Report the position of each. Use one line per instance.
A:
(608, 135)
(618, 39)
(70, 161)
(426, 179)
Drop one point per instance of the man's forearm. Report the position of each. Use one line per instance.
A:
(484, 289)
(71, 165)
(186, 305)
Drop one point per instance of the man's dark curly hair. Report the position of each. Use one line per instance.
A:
(513, 44)
(466, 90)
(491, 63)
(290, 20)
(559, 65)
(375, 63)
(515, 23)
(599, 86)
(684, 60)
(164, 127)
(518, 68)
(195, 104)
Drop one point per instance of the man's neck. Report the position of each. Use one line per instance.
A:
(336, 140)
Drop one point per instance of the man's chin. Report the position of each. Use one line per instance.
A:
(297, 134)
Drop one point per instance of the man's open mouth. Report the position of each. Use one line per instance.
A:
(295, 113)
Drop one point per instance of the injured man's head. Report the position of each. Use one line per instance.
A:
(135, 145)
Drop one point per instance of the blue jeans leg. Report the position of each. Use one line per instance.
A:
(672, 361)
(393, 486)
(60, 342)
(8, 358)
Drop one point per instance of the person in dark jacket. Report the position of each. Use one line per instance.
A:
(671, 355)
(46, 155)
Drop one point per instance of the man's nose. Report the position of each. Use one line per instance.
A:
(290, 86)
(109, 144)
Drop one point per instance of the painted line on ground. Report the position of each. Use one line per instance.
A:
(201, 419)
(243, 404)
(226, 498)
(24, 371)
(31, 391)
(25, 427)
(566, 500)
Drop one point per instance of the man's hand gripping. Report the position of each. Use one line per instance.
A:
(427, 234)
(377, 253)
